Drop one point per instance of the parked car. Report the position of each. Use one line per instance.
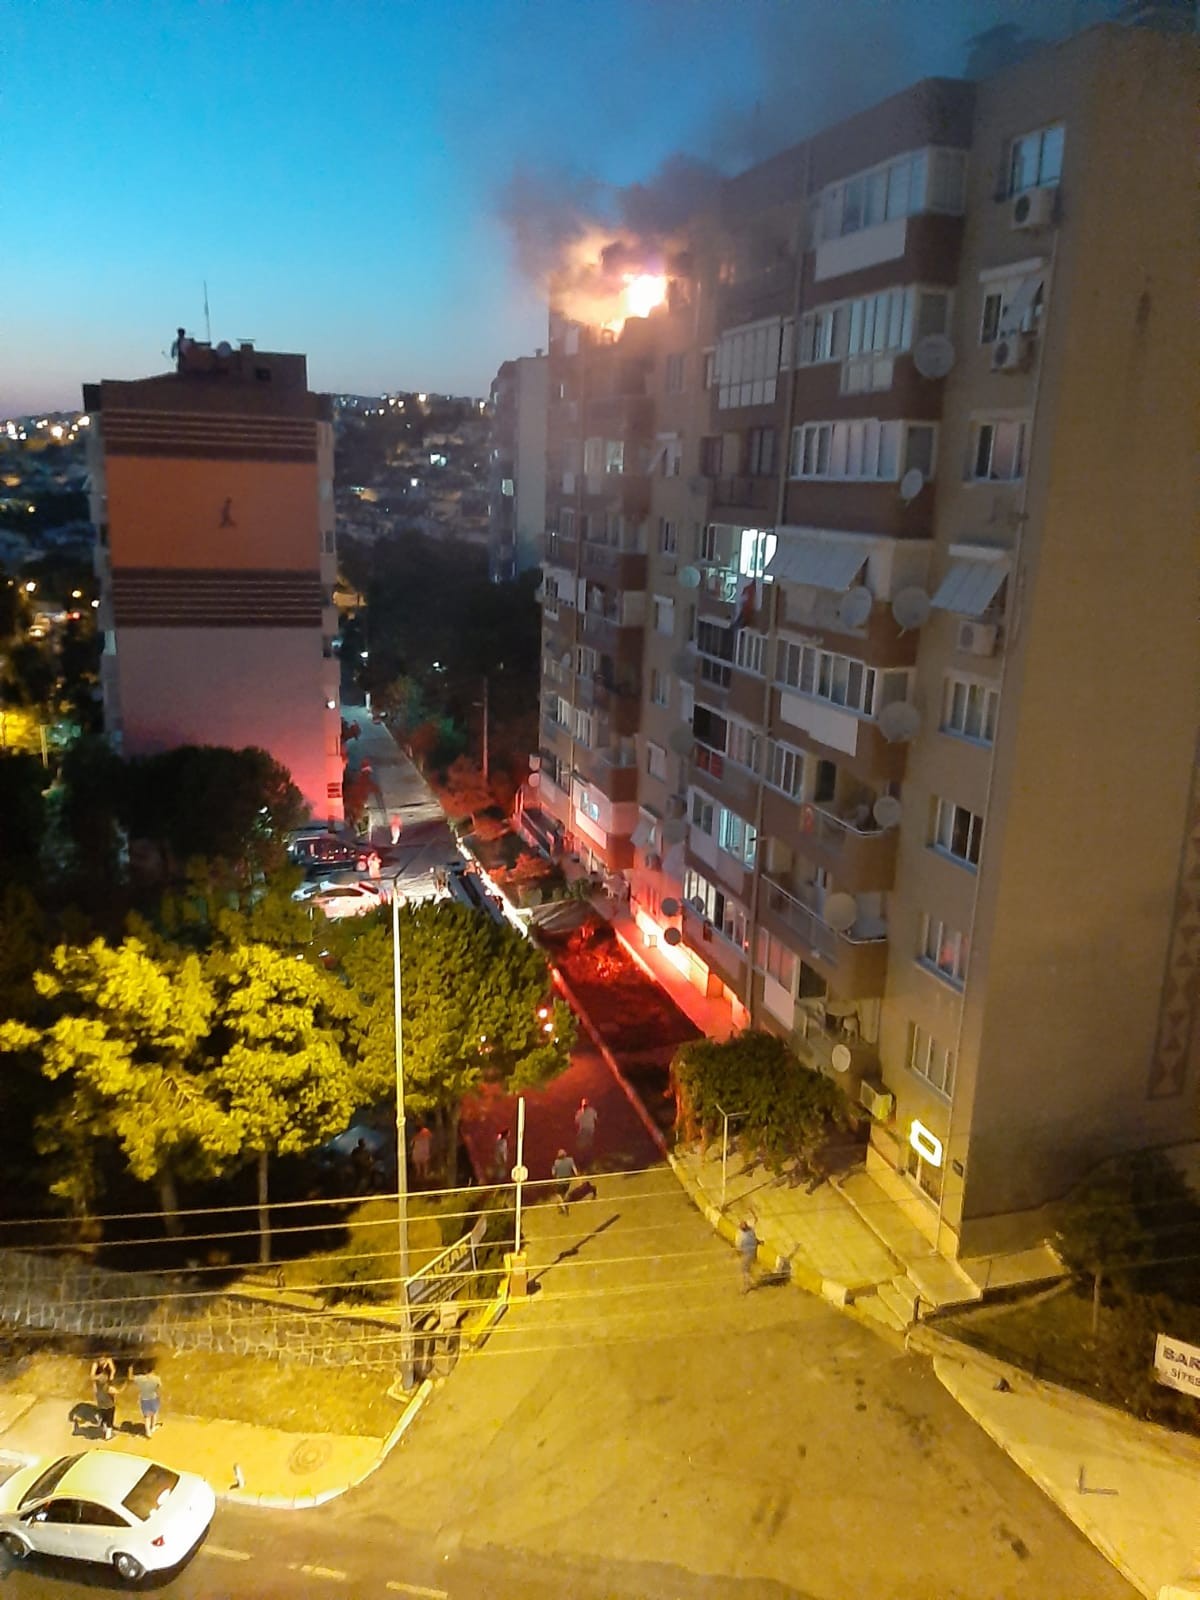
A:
(347, 899)
(323, 847)
(119, 1510)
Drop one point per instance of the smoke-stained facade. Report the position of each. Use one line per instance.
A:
(867, 662)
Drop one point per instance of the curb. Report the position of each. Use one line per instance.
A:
(307, 1502)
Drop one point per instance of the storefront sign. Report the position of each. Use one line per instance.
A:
(927, 1145)
(1177, 1364)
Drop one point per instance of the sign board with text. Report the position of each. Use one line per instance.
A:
(1177, 1364)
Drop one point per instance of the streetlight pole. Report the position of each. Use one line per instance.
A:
(407, 1376)
(485, 728)
(519, 1172)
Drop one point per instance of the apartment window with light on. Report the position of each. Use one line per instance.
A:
(969, 709)
(957, 832)
(931, 1060)
(675, 372)
(726, 915)
(1035, 159)
(656, 761)
(997, 451)
(614, 455)
(737, 837)
(944, 950)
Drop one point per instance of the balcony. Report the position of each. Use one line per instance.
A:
(614, 567)
(736, 786)
(745, 497)
(769, 292)
(861, 859)
(612, 771)
(626, 492)
(609, 634)
(854, 965)
(818, 1035)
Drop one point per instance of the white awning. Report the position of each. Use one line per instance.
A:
(642, 834)
(1018, 315)
(819, 563)
(969, 587)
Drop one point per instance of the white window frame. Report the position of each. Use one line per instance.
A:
(785, 769)
(736, 837)
(967, 700)
(944, 951)
(583, 729)
(957, 832)
(843, 681)
(932, 178)
(660, 688)
(776, 961)
(857, 449)
(728, 917)
(703, 813)
(741, 744)
(750, 652)
(984, 434)
(748, 360)
(663, 614)
(1045, 148)
(930, 1061)
(656, 761)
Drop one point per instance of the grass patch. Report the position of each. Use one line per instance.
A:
(202, 1383)
(365, 1265)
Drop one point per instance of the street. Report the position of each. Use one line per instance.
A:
(640, 1429)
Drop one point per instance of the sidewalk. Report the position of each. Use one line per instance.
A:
(278, 1469)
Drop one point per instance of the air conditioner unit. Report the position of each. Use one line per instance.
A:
(1011, 352)
(1033, 209)
(877, 1101)
(976, 639)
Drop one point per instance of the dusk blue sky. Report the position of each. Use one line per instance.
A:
(335, 170)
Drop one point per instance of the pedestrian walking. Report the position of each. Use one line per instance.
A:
(500, 1157)
(105, 1386)
(149, 1391)
(747, 1249)
(563, 1170)
(422, 1153)
(585, 1129)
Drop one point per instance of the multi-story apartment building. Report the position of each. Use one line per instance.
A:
(517, 471)
(212, 489)
(870, 653)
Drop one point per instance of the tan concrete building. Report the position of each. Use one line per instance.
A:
(871, 654)
(212, 489)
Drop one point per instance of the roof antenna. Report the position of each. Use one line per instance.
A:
(207, 323)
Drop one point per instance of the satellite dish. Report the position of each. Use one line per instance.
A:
(669, 906)
(697, 903)
(840, 1058)
(855, 607)
(689, 577)
(911, 484)
(911, 608)
(841, 911)
(535, 779)
(899, 721)
(224, 349)
(681, 740)
(672, 936)
(535, 762)
(933, 356)
(683, 663)
(887, 811)
(674, 830)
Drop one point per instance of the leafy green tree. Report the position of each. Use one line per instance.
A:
(282, 1066)
(782, 1109)
(128, 1036)
(475, 1010)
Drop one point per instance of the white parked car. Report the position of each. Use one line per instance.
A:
(105, 1506)
(347, 899)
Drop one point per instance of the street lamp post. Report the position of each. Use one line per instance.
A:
(407, 1376)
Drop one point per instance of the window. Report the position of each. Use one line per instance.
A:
(566, 523)
(710, 455)
(1011, 305)
(776, 960)
(672, 458)
(741, 745)
(785, 769)
(708, 544)
(593, 456)
(1035, 159)
(587, 661)
(725, 914)
(614, 455)
(989, 323)
(703, 813)
(750, 651)
(675, 371)
(957, 831)
(969, 709)
(747, 364)
(872, 323)
(664, 615)
(841, 680)
(737, 837)
(857, 450)
(760, 452)
(583, 729)
(667, 537)
(660, 688)
(943, 950)
(656, 761)
(925, 179)
(998, 451)
(930, 1060)
(710, 368)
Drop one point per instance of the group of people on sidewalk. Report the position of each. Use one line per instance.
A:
(106, 1387)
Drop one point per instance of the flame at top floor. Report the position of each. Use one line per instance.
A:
(603, 281)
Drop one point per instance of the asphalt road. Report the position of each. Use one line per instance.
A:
(640, 1430)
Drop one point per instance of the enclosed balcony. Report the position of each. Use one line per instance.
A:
(612, 565)
(853, 962)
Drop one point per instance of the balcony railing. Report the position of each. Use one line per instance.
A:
(809, 925)
(755, 494)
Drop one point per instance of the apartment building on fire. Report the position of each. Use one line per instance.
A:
(870, 654)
